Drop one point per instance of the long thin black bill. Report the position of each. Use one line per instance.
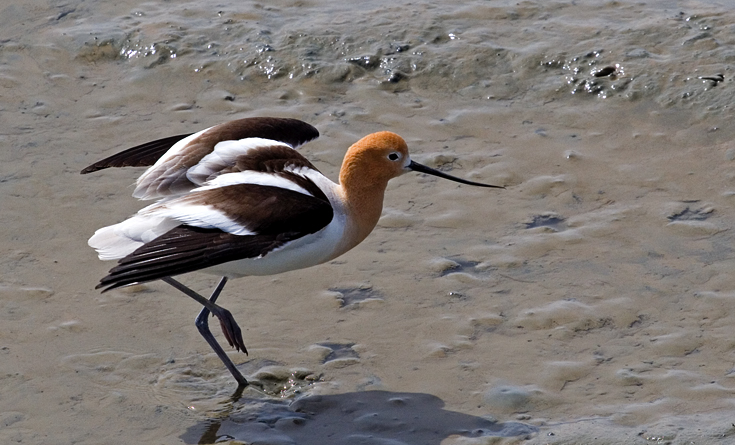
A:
(415, 166)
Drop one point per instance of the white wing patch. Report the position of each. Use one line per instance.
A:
(197, 215)
(230, 150)
(255, 178)
(314, 176)
(224, 155)
(120, 240)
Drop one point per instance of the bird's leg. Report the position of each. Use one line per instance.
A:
(232, 331)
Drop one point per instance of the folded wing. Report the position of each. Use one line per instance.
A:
(276, 217)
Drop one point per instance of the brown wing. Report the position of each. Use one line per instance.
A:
(290, 131)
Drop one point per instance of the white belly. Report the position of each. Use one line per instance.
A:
(307, 251)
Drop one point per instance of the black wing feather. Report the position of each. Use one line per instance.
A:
(187, 249)
(143, 155)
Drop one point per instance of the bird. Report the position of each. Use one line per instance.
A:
(237, 199)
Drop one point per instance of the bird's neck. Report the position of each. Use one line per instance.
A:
(363, 197)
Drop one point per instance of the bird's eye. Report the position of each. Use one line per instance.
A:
(394, 156)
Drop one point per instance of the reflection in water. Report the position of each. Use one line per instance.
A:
(359, 417)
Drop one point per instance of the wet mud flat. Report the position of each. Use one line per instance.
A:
(589, 302)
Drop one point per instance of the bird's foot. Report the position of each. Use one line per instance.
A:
(231, 330)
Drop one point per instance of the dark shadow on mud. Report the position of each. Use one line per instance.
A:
(359, 418)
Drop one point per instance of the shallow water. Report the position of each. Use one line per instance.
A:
(591, 298)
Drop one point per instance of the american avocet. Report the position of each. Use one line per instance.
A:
(237, 199)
